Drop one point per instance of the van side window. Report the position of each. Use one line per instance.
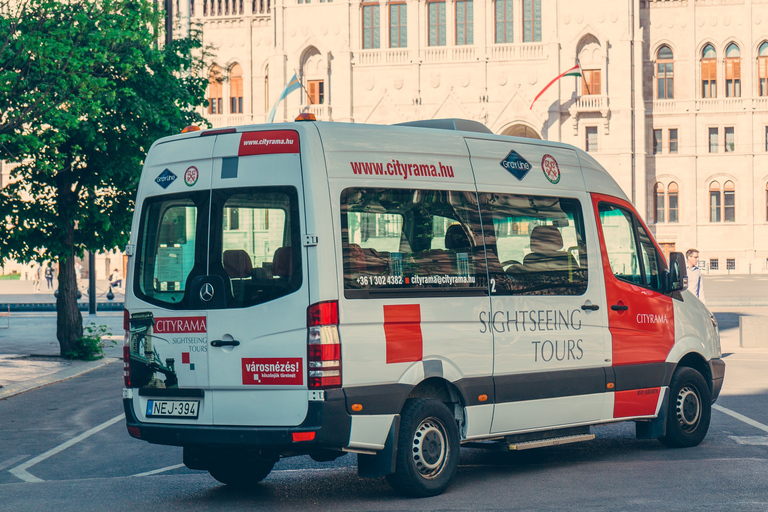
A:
(411, 243)
(631, 252)
(535, 244)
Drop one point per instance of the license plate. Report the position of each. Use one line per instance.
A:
(172, 408)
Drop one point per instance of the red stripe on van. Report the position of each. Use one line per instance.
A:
(402, 329)
(635, 402)
(268, 143)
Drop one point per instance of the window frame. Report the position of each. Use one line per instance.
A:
(591, 82)
(440, 12)
(591, 130)
(732, 72)
(665, 74)
(762, 69)
(504, 17)
(401, 9)
(713, 143)
(657, 144)
(374, 29)
(670, 140)
(532, 24)
(468, 25)
(708, 70)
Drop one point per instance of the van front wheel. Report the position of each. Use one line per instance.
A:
(427, 449)
(690, 407)
(242, 474)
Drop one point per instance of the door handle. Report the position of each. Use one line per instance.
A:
(591, 307)
(224, 343)
(619, 307)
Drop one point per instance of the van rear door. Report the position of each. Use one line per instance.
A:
(258, 332)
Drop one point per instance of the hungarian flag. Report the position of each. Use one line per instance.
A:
(294, 84)
(574, 71)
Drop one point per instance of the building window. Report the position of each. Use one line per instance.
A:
(398, 21)
(714, 264)
(436, 21)
(656, 141)
(729, 202)
(673, 140)
(658, 198)
(236, 89)
(730, 264)
(766, 138)
(709, 72)
(590, 82)
(370, 26)
(316, 91)
(766, 202)
(504, 29)
(714, 202)
(464, 32)
(730, 139)
(674, 209)
(531, 21)
(713, 135)
(664, 73)
(732, 71)
(591, 138)
(762, 69)
(215, 91)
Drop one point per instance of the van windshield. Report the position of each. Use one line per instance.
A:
(248, 237)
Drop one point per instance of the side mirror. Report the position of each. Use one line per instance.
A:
(677, 276)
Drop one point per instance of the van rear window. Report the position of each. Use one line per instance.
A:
(404, 242)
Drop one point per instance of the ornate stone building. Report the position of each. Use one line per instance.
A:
(673, 97)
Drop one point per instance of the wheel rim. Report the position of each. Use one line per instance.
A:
(688, 408)
(430, 449)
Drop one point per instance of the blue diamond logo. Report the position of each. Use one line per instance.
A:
(516, 165)
(165, 178)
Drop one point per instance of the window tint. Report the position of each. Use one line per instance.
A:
(169, 247)
(406, 242)
(535, 245)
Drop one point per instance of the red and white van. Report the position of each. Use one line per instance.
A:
(397, 292)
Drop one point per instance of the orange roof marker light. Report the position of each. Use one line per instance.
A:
(191, 128)
(305, 116)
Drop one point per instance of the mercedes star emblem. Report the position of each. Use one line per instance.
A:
(206, 292)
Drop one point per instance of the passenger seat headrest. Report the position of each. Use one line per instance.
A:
(546, 239)
(282, 262)
(456, 238)
(237, 263)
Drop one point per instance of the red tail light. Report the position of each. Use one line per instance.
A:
(323, 346)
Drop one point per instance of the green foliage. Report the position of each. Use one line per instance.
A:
(90, 346)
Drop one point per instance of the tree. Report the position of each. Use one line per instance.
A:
(85, 89)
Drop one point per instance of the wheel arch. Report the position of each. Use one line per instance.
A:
(443, 390)
(697, 362)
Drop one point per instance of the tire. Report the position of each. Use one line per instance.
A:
(427, 449)
(690, 409)
(242, 475)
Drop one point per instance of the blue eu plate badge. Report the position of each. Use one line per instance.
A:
(516, 165)
(166, 178)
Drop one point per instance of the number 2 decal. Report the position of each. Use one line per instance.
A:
(493, 285)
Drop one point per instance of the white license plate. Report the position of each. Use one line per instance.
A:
(172, 408)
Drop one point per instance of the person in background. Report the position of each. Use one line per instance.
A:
(115, 279)
(695, 283)
(49, 276)
(38, 277)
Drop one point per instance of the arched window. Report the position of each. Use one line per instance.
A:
(729, 202)
(664, 73)
(732, 71)
(674, 209)
(714, 202)
(658, 199)
(709, 72)
(215, 95)
(236, 89)
(762, 69)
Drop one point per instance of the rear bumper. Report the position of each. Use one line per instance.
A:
(328, 419)
(717, 368)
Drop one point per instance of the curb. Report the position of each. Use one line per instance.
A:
(77, 368)
(20, 307)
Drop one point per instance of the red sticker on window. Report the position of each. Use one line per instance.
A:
(402, 330)
(272, 371)
(268, 143)
(180, 324)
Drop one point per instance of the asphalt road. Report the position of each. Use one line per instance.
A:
(64, 447)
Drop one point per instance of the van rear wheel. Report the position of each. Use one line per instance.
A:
(690, 408)
(427, 449)
(242, 474)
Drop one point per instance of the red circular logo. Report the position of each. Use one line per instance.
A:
(191, 175)
(550, 168)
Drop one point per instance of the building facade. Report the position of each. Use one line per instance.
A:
(672, 97)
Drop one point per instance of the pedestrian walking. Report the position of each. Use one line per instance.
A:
(49, 276)
(38, 278)
(695, 283)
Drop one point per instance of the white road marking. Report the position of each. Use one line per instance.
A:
(21, 470)
(11, 462)
(161, 470)
(741, 417)
(751, 440)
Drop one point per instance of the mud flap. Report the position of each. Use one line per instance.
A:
(657, 427)
(383, 463)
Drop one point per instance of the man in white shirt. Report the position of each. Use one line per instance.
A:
(695, 283)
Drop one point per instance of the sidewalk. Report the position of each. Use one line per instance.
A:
(21, 296)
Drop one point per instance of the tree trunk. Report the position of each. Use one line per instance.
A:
(69, 321)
